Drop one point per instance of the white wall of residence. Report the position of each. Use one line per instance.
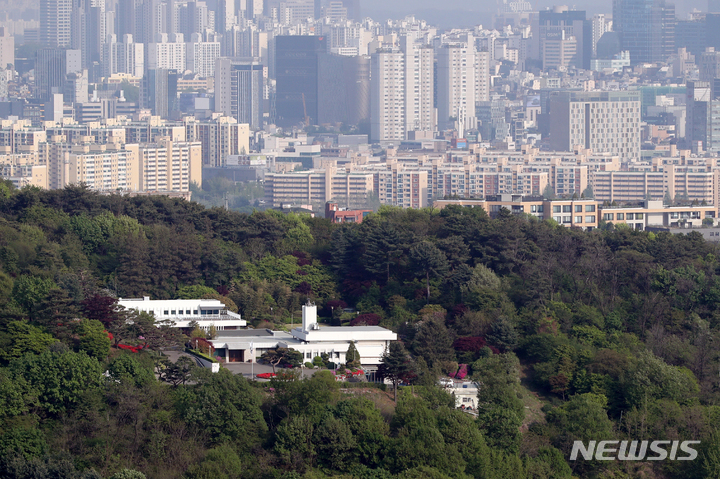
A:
(182, 312)
(311, 340)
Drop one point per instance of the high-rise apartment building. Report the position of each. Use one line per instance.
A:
(387, 96)
(296, 73)
(56, 23)
(169, 52)
(123, 57)
(646, 28)
(604, 122)
(419, 85)
(201, 56)
(456, 69)
(239, 85)
(482, 76)
(219, 138)
(169, 166)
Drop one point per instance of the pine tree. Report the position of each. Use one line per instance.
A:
(429, 260)
(383, 249)
(434, 343)
(397, 365)
(352, 357)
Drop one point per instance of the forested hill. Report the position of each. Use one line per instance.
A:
(570, 334)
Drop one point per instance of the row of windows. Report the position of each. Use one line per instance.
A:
(623, 216)
(187, 312)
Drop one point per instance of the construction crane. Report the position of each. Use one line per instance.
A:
(307, 118)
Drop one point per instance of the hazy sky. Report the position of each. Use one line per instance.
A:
(449, 13)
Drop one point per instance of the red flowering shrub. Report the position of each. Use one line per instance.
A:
(366, 319)
(469, 343)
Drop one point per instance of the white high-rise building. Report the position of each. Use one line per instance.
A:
(402, 91)
(56, 23)
(126, 57)
(201, 56)
(167, 55)
(456, 86)
(600, 26)
(482, 76)
(419, 86)
(604, 122)
(387, 96)
(7, 48)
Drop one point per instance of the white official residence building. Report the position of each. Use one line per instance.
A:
(236, 344)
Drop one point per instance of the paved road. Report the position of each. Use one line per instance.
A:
(174, 355)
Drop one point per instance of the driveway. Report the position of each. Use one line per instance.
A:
(247, 369)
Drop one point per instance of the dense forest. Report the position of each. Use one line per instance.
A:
(570, 335)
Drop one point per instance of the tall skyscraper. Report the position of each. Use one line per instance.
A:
(239, 86)
(646, 29)
(344, 89)
(296, 73)
(159, 91)
(568, 35)
(56, 23)
(50, 70)
(599, 25)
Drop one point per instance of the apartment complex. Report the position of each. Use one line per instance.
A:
(318, 187)
(588, 214)
(105, 157)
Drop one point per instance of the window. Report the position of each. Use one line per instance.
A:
(337, 355)
(589, 208)
(567, 208)
(166, 312)
(557, 219)
(638, 216)
(674, 215)
(180, 312)
(216, 311)
(172, 312)
(567, 219)
(590, 219)
(621, 216)
(578, 208)
(639, 226)
(556, 209)
(187, 311)
(630, 216)
(308, 356)
(578, 219)
(609, 216)
(195, 312)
